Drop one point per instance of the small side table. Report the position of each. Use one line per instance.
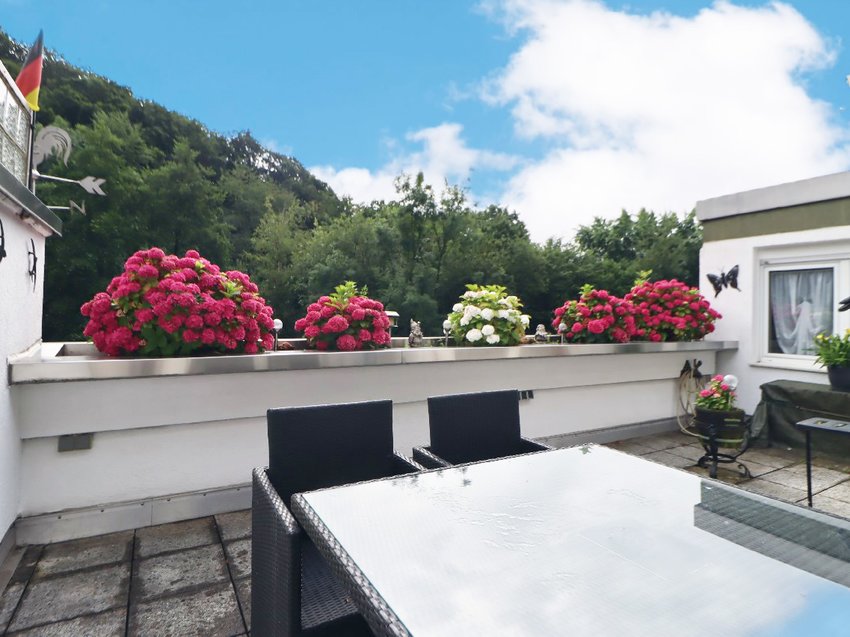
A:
(818, 424)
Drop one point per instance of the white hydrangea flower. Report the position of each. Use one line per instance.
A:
(512, 317)
(471, 310)
(493, 339)
(464, 321)
(488, 330)
(525, 318)
(487, 314)
(469, 294)
(502, 314)
(473, 335)
(457, 307)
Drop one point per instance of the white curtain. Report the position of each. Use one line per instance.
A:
(800, 308)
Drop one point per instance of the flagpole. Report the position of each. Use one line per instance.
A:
(31, 180)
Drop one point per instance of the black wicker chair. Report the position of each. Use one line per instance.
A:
(472, 427)
(293, 589)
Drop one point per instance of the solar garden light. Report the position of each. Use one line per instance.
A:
(278, 325)
(730, 380)
(393, 316)
(447, 329)
(561, 329)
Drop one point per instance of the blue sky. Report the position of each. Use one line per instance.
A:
(560, 109)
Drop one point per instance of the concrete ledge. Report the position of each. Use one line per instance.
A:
(612, 434)
(123, 516)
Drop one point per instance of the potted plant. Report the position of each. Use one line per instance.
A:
(486, 315)
(715, 414)
(164, 305)
(834, 353)
(346, 320)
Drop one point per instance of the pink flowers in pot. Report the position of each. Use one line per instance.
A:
(671, 311)
(596, 317)
(347, 320)
(164, 305)
(652, 311)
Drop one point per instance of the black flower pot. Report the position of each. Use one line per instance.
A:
(722, 424)
(839, 377)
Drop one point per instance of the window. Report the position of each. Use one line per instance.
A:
(800, 307)
(801, 288)
(14, 131)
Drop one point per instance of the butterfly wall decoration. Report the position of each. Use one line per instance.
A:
(844, 304)
(32, 270)
(2, 241)
(724, 279)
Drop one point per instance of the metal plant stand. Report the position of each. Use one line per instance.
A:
(712, 443)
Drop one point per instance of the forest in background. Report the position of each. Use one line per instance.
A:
(172, 183)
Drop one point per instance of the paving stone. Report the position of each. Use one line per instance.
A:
(632, 448)
(239, 557)
(661, 442)
(795, 476)
(210, 612)
(691, 452)
(69, 595)
(8, 602)
(840, 491)
(243, 591)
(774, 490)
(108, 624)
(174, 572)
(836, 463)
(777, 457)
(724, 473)
(85, 553)
(825, 503)
(154, 540)
(669, 459)
(235, 525)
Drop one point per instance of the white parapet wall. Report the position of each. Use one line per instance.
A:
(177, 426)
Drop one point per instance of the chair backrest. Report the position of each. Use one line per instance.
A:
(469, 427)
(327, 445)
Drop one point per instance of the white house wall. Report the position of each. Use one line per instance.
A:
(20, 328)
(742, 311)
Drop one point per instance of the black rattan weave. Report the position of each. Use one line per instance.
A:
(294, 591)
(471, 427)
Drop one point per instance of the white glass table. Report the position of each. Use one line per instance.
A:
(582, 541)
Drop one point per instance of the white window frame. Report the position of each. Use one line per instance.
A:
(774, 261)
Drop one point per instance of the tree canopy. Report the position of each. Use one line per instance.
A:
(172, 183)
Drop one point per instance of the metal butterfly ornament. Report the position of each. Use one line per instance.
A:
(844, 304)
(33, 264)
(2, 241)
(724, 279)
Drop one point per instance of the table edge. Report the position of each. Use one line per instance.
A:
(377, 613)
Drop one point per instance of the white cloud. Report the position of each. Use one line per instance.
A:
(443, 156)
(658, 110)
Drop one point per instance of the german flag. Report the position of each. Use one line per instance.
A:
(29, 79)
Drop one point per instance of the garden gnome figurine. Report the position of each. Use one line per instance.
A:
(415, 337)
(541, 335)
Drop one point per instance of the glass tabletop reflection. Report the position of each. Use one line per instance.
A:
(588, 541)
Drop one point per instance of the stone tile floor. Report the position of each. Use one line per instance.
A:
(185, 578)
(193, 578)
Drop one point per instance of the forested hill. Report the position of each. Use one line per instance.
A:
(172, 183)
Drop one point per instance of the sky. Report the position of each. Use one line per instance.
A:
(562, 110)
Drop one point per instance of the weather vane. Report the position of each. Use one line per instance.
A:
(52, 140)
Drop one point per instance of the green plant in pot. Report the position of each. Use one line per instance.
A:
(834, 353)
(715, 413)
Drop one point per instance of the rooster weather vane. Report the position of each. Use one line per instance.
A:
(724, 279)
(52, 140)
